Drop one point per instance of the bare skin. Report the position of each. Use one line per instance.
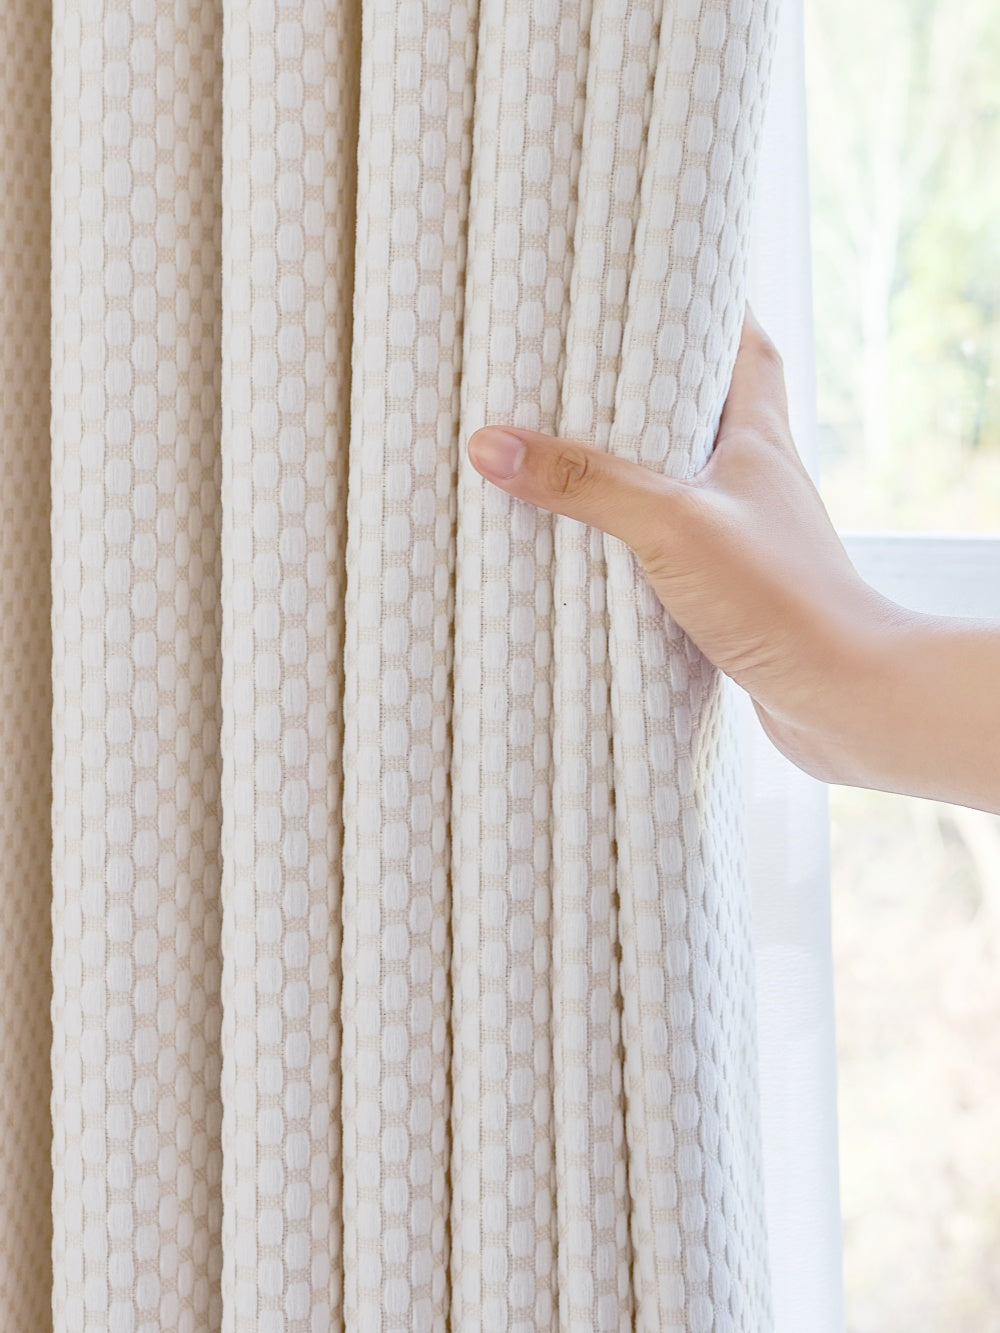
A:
(852, 687)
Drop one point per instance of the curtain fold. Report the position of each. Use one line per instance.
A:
(595, 1254)
(417, 65)
(400, 972)
(288, 183)
(686, 976)
(530, 80)
(25, 662)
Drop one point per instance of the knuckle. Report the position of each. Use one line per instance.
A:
(572, 471)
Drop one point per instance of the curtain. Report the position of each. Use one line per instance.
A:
(788, 824)
(376, 946)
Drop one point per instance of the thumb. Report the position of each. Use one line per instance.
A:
(620, 497)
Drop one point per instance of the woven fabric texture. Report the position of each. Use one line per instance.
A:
(25, 664)
(376, 947)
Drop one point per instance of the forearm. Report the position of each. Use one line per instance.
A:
(921, 715)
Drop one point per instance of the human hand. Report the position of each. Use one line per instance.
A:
(743, 555)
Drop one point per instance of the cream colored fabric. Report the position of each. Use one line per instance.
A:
(595, 1251)
(400, 969)
(136, 660)
(697, 1206)
(25, 660)
(529, 92)
(288, 147)
(414, 133)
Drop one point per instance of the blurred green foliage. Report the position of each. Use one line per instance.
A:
(904, 130)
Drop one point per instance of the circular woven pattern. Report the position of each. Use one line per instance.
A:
(401, 973)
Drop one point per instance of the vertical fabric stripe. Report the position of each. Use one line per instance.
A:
(401, 973)
(594, 1246)
(529, 89)
(414, 149)
(288, 190)
(694, 1168)
(25, 669)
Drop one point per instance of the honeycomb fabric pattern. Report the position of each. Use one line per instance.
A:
(289, 142)
(376, 947)
(136, 1108)
(25, 662)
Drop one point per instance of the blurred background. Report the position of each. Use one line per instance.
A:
(904, 131)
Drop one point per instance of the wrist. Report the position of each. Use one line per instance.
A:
(836, 724)
(916, 710)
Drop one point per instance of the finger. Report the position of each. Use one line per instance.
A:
(620, 497)
(757, 399)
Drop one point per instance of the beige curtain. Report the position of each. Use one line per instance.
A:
(371, 838)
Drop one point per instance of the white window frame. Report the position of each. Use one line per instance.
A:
(787, 812)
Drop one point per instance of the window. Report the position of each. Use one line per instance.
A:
(903, 111)
(889, 324)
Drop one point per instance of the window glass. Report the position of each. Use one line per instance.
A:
(904, 140)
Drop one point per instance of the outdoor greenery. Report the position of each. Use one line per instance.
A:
(904, 126)
(904, 129)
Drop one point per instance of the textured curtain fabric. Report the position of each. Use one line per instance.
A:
(371, 839)
(788, 822)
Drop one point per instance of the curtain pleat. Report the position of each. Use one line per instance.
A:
(398, 973)
(595, 1254)
(135, 664)
(25, 662)
(530, 82)
(414, 144)
(694, 1159)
